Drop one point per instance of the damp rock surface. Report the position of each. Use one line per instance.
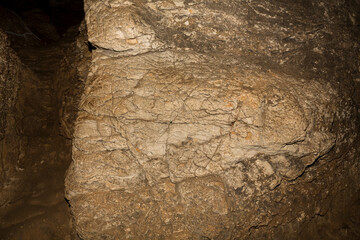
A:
(217, 120)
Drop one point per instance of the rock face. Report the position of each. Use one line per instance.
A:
(71, 77)
(217, 120)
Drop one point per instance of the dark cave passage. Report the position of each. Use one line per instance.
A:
(61, 13)
(32, 200)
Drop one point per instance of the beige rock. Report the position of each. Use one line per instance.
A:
(70, 78)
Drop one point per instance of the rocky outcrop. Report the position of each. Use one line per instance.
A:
(217, 120)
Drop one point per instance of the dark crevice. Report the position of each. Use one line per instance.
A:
(91, 47)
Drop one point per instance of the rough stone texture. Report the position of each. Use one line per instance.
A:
(218, 120)
(71, 78)
(12, 77)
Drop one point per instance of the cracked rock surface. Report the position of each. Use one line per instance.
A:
(217, 120)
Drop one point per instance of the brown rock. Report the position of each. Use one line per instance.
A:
(18, 33)
(12, 77)
(70, 78)
(200, 119)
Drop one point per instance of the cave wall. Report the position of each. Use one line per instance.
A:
(71, 77)
(218, 120)
(15, 94)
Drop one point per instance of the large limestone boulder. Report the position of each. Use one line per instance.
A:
(215, 120)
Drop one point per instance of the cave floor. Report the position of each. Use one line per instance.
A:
(41, 211)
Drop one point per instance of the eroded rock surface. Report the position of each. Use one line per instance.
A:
(200, 119)
(71, 78)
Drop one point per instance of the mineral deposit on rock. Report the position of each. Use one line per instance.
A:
(216, 120)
